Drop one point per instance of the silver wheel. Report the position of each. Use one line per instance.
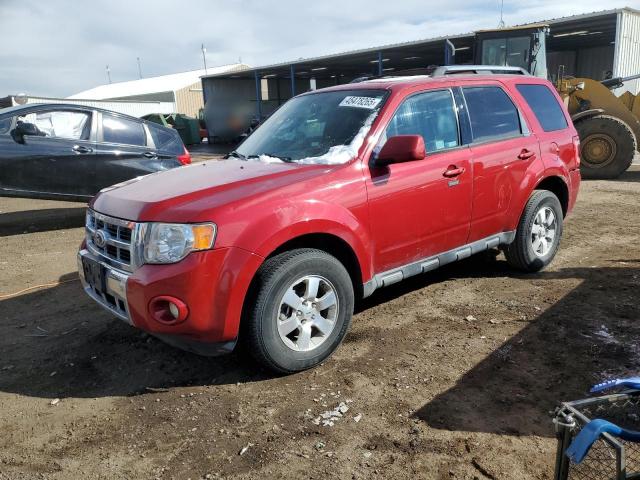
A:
(543, 231)
(308, 312)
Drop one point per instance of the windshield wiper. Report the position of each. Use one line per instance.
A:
(236, 154)
(279, 157)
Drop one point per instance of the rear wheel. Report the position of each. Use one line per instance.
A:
(299, 310)
(607, 147)
(538, 235)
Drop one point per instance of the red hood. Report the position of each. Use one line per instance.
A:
(187, 194)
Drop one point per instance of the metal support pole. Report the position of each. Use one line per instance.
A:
(292, 70)
(379, 64)
(258, 95)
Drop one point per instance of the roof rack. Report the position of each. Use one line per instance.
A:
(478, 69)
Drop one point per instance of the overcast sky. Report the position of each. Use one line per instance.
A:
(58, 47)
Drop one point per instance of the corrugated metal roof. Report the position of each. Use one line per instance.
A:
(163, 83)
(382, 48)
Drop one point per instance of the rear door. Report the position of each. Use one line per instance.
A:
(124, 150)
(553, 132)
(56, 162)
(503, 151)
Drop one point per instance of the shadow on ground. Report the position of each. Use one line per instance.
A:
(590, 334)
(42, 220)
(58, 343)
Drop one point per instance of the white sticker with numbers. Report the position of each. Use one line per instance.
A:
(368, 103)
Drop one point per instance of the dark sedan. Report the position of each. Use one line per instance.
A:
(71, 152)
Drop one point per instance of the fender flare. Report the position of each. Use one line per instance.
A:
(314, 219)
(586, 114)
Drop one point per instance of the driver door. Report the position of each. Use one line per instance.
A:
(55, 161)
(416, 210)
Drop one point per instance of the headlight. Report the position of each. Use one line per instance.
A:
(171, 242)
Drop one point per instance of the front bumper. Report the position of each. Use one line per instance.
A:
(114, 297)
(212, 283)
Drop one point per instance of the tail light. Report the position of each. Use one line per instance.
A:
(576, 149)
(185, 158)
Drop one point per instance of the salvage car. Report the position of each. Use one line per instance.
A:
(342, 191)
(70, 152)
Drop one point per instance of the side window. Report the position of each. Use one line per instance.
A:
(60, 124)
(430, 114)
(5, 125)
(492, 113)
(165, 139)
(506, 51)
(545, 106)
(122, 130)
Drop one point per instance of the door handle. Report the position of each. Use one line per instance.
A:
(526, 154)
(453, 171)
(150, 155)
(82, 149)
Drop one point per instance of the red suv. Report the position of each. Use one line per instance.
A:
(340, 192)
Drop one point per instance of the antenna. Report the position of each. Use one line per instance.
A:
(204, 57)
(501, 23)
(108, 74)
(139, 67)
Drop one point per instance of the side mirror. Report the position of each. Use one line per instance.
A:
(23, 129)
(401, 148)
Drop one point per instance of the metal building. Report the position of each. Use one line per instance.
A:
(175, 93)
(594, 45)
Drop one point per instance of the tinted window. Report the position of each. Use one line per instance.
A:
(59, 124)
(492, 113)
(121, 130)
(166, 139)
(545, 106)
(513, 52)
(5, 125)
(429, 114)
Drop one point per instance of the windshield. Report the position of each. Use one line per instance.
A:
(325, 127)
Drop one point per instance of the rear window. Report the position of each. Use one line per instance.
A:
(493, 115)
(165, 139)
(545, 106)
(123, 131)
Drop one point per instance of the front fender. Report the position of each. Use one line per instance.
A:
(293, 220)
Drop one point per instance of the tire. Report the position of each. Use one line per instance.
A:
(607, 147)
(521, 253)
(315, 332)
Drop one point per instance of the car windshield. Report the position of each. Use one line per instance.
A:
(324, 128)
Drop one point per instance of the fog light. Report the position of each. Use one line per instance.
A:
(173, 308)
(168, 310)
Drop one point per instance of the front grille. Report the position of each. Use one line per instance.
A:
(111, 238)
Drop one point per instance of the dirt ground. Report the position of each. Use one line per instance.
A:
(430, 393)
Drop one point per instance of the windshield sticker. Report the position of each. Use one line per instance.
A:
(368, 103)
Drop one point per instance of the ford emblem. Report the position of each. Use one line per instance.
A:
(99, 239)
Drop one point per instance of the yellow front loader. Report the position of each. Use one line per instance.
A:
(609, 126)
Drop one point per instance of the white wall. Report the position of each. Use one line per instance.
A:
(627, 52)
(135, 109)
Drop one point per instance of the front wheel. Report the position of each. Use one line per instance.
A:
(299, 310)
(538, 235)
(607, 147)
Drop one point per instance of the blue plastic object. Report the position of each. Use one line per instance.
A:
(630, 382)
(591, 432)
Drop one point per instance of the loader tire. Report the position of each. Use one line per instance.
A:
(607, 147)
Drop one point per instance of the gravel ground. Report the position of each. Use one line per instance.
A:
(449, 375)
